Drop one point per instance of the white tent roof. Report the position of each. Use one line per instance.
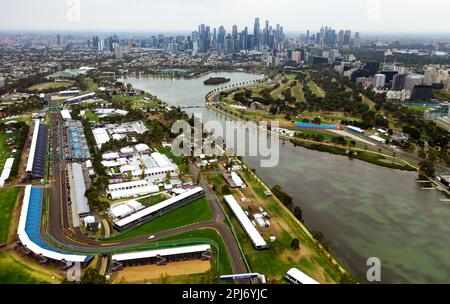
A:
(251, 231)
(160, 252)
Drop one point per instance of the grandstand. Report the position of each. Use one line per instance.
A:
(146, 214)
(29, 231)
(161, 256)
(38, 151)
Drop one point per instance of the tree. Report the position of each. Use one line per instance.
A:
(298, 213)
(225, 189)
(92, 276)
(295, 244)
(317, 120)
(427, 167)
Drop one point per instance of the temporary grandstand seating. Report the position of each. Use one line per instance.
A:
(38, 152)
(29, 229)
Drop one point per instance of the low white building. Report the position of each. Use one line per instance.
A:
(131, 189)
(101, 136)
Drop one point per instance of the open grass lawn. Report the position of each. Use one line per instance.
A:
(168, 152)
(51, 85)
(327, 136)
(91, 116)
(195, 212)
(137, 101)
(15, 269)
(318, 91)
(8, 199)
(152, 200)
(298, 91)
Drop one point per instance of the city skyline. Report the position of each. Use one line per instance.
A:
(372, 16)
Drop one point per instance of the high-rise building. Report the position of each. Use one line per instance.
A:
(379, 80)
(422, 92)
(58, 39)
(347, 37)
(398, 82)
(229, 44)
(118, 49)
(341, 38)
(95, 41)
(221, 37)
(430, 76)
(412, 80)
(256, 32)
(234, 32)
(266, 33)
(357, 41)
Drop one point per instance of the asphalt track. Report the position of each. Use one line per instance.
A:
(60, 232)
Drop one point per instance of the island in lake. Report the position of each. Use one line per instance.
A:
(216, 80)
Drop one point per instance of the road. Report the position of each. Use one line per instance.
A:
(59, 227)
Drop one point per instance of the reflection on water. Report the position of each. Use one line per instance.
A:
(363, 209)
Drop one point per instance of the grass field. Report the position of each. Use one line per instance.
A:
(137, 102)
(326, 136)
(91, 116)
(318, 91)
(168, 152)
(8, 199)
(51, 85)
(15, 269)
(152, 200)
(195, 212)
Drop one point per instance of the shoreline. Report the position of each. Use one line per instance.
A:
(188, 76)
(325, 147)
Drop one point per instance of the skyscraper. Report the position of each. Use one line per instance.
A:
(266, 33)
(234, 32)
(256, 31)
(357, 41)
(341, 38)
(221, 38)
(347, 37)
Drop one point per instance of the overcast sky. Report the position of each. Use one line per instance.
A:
(375, 16)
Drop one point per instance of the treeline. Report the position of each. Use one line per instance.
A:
(366, 55)
(287, 200)
(25, 105)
